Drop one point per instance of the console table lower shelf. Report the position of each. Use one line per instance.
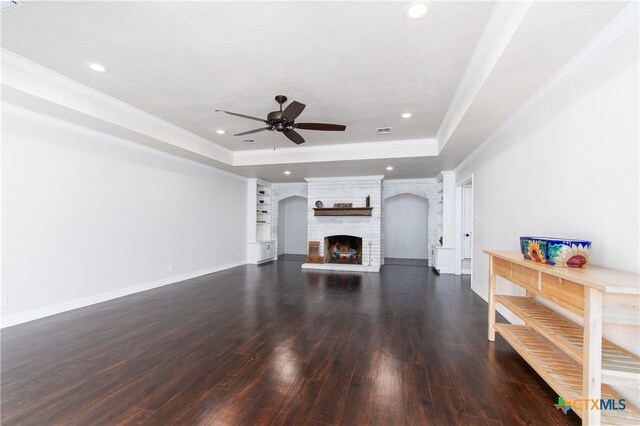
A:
(562, 374)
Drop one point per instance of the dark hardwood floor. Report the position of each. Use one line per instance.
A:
(274, 344)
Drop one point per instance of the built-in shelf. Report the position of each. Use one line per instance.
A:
(261, 247)
(341, 211)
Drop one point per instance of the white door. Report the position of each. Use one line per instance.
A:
(467, 221)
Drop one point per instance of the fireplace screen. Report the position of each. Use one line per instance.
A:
(343, 249)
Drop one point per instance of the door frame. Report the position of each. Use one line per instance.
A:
(458, 250)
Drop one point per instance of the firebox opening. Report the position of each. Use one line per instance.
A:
(343, 249)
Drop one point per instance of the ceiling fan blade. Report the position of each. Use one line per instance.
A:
(252, 131)
(292, 111)
(294, 136)
(242, 115)
(320, 126)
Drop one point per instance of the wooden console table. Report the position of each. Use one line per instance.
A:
(574, 360)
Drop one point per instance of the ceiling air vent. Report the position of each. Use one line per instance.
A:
(10, 4)
(249, 140)
(383, 130)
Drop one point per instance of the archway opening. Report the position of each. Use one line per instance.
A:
(406, 227)
(292, 226)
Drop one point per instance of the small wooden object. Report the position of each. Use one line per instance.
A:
(314, 253)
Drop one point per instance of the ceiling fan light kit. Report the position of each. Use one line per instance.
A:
(284, 121)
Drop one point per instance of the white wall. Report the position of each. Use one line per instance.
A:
(568, 168)
(405, 227)
(88, 217)
(292, 225)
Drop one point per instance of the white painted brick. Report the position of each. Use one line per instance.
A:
(355, 190)
(348, 190)
(426, 188)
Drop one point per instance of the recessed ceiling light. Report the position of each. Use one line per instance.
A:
(98, 67)
(406, 115)
(11, 4)
(417, 10)
(220, 132)
(287, 172)
(389, 167)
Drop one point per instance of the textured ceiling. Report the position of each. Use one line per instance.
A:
(361, 64)
(355, 63)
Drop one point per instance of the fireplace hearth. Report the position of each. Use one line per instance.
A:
(343, 249)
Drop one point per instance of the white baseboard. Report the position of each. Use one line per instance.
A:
(46, 311)
(513, 319)
(446, 270)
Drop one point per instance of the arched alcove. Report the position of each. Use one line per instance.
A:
(406, 226)
(292, 225)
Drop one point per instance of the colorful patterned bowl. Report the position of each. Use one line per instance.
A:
(345, 255)
(556, 251)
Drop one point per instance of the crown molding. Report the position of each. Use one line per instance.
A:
(340, 152)
(504, 21)
(28, 114)
(37, 69)
(34, 79)
(340, 179)
(43, 83)
(616, 28)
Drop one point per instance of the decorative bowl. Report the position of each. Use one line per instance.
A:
(344, 255)
(556, 251)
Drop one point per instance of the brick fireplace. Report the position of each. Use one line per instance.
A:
(331, 231)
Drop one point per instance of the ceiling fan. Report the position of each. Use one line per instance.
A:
(284, 121)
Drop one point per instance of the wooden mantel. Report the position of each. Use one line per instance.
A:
(341, 211)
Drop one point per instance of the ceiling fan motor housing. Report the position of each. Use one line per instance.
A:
(277, 122)
(274, 115)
